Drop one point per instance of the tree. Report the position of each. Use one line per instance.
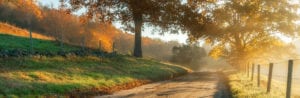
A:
(58, 23)
(152, 48)
(245, 30)
(22, 13)
(166, 14)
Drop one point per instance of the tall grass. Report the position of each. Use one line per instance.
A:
(243, 87)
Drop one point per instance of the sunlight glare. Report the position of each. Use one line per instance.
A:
(284, 38)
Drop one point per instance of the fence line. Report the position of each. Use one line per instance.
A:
(268, 71)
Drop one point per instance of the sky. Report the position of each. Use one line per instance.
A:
(147, 32)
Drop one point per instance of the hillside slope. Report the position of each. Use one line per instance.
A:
(10, 42)
(79, 75)
(72, 74)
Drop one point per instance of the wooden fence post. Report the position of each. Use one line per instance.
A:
(99, 45)
(83, 44)
(113, 46)
(258, 75)
(248, 70)
(31, 41)
(270, 77)
(62, 42)
(289, 79)
(252, 75)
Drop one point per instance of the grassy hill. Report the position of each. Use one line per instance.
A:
(16, 40)
(72, 74)
(10, 42)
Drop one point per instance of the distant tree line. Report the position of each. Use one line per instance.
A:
(189, 55)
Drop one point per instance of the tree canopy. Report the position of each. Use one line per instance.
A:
(239, 30)
(243, 30)
(169, 15)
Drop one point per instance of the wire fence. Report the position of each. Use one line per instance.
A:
(283, 75)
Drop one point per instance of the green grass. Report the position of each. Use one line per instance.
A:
(242, 87)
(41, 75)
(9, 42)
(60, 75)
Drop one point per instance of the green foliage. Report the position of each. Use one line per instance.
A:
(190, 56)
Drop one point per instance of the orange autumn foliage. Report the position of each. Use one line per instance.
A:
(103, 38)
(30, 6)
(12, 30)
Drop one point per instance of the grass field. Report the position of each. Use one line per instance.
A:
(9, 42)
(60, 75)
(57, 75)
(243, 87)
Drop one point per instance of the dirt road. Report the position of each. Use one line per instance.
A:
(194, 85)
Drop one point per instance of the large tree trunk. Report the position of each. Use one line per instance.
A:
(138, 22)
